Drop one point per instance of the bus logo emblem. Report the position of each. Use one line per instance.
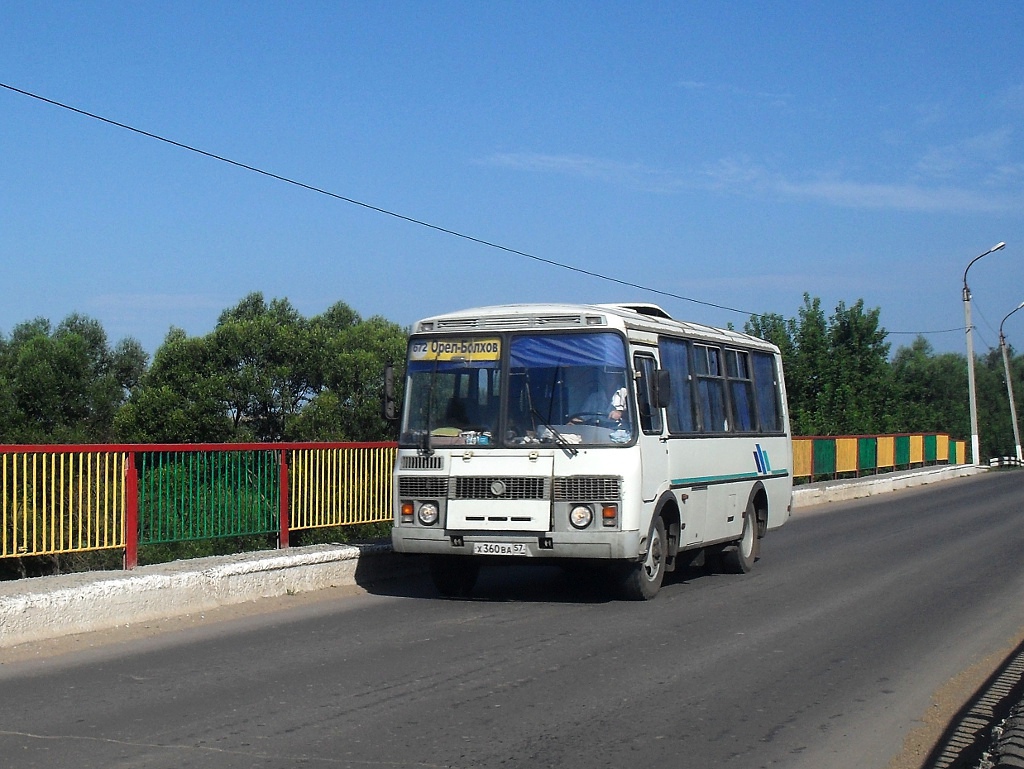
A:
(761, 460)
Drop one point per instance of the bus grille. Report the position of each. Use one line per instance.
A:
(425, 487)
(422, 463)
(490, 487)
(595, 487)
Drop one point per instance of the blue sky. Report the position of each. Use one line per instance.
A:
(739, 154)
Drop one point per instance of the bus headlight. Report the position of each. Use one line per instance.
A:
(427, 514)
(581, 516)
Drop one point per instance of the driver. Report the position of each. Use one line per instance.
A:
(597, 403)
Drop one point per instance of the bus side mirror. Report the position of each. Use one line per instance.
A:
(662, 389)
(390, 407)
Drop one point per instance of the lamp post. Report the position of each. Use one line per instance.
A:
(975, 439)
(1009, 382)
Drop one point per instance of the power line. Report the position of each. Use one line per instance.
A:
(403, 217)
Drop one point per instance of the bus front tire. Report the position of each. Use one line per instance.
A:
(644, 578)
(454, 576)
(740, 558)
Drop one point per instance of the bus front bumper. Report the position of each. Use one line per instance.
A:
(613, 545)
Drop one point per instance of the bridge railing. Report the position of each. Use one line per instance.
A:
(66, 499)
(819, 457)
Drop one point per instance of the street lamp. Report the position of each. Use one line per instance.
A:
(975, 439)
(1009, 381)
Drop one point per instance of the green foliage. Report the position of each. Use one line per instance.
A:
(267, 374)
(841, 380)
(64, 385)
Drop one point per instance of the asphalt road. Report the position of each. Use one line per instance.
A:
(826, 655)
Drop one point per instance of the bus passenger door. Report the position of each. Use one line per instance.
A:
(650, 435)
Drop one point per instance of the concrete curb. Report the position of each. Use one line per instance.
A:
(841, 491)
(50, 607)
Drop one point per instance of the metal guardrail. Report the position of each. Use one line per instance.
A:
(54, 501)
(65, 499)
(818, 457)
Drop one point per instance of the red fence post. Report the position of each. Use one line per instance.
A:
(282, 537)
(131, 514)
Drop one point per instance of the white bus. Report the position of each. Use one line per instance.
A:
(604, 433)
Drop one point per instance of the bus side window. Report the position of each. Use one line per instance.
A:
(675, 357)
(767, 388)
(710, 388)
(650, 414)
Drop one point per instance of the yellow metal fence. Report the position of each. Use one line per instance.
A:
(338, 486)
(66, 499)
(55, 502)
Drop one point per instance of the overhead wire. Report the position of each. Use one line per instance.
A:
(404, 217)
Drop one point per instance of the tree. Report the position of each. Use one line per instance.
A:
(858, 388)
(181, 399)
(837, 377)
(64, 385)
(266, 373)
(349, 406)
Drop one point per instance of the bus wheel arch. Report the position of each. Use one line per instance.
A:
(668, 511)
(740, 557)
(758, 502)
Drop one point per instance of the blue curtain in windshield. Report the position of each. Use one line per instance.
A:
(551, 350)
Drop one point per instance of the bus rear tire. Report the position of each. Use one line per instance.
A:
(644, 578)
(740, 558)
(454, 576)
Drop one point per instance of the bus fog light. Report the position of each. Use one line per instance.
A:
(581, 516)
(427, 514)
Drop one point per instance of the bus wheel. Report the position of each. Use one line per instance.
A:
(454, 576)
(644, 578)
(739, 559)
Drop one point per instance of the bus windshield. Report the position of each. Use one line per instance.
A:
(527, 389)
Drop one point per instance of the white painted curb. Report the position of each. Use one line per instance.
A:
(48, 607)
(840, 491)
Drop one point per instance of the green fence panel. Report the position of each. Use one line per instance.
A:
(902, 458)
(931, 448)
(824, 462)
(204, 494)
(867, 453)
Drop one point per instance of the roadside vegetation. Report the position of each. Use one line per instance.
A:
(266, 373)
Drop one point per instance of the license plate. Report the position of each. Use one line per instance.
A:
(500, 548)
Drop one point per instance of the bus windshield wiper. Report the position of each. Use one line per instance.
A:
(559, 438)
